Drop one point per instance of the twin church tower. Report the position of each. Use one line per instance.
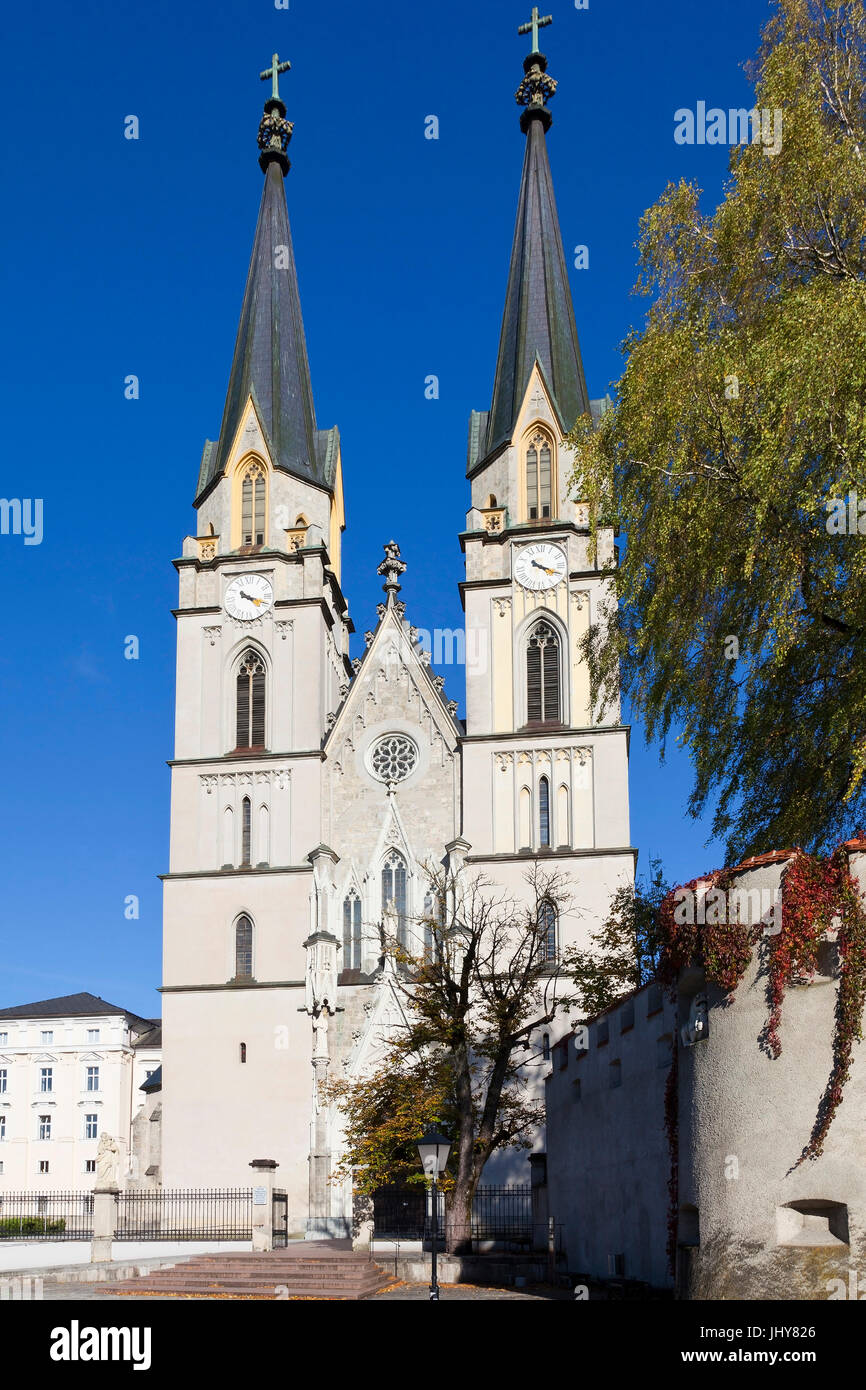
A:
(310, 789)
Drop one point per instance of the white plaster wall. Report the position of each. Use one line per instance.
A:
(607, 1151)
(218, 1113)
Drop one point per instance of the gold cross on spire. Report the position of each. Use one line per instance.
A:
(273, 73)
(535, 23)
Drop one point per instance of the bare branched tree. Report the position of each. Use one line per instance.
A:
(478, 972)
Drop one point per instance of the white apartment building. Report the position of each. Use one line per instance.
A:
(70, 1068)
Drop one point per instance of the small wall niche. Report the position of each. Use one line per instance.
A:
(812, 1222)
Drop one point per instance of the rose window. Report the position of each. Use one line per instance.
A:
(393, 758)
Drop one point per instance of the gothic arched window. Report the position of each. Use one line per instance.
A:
(394, 891)
(547, 930)
(352, 931)
(246, 830)
(243, 949)
(543, 704)
(539, 474)
(544, 812)
(253, 504)
(251, 702)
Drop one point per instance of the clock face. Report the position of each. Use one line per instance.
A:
(540, 566)
(248, 596)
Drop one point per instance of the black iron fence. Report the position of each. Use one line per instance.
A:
(499, 1214)
(185, 1214)
(46, 1216)
(502, 1213)
(400, 1213)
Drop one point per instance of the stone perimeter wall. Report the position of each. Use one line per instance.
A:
(752, 1222)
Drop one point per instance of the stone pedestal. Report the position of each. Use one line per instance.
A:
(264, 1170)
(104, 1217)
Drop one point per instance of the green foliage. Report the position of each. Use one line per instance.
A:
(12, 1226)
(625, 950)
(740, 415)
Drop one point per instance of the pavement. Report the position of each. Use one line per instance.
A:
(449, 1293)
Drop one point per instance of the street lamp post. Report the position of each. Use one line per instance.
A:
(433, 1149)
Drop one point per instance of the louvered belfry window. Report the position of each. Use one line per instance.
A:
(253, 506)
(543, 705)
(538, 478)
(251, 702)
(243, 948)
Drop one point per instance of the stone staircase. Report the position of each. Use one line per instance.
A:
(305, 1269)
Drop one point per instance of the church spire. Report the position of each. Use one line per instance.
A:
(270, 357)
(538, 323)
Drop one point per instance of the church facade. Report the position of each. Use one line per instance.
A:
(310, 790)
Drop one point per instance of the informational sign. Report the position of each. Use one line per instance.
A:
(260, 1196)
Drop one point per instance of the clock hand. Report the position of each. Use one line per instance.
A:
(542, 567)
(257, 601)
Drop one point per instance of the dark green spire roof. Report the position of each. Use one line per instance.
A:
(270, 359)
(538, 322)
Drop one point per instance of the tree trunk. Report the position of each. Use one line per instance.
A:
(458, 1217)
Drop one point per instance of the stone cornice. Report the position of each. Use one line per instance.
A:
(253, 871)
(250, 984)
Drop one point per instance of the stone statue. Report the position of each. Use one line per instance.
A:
(320, 1033)
(107, 1161)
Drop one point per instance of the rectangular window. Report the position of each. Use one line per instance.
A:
(2, 1128)
(90, 1165)
(601, 1032)
(44, 1126)
(4, 1076)
(47, 1036)
(91, 1123)
(43, 1165)
(93, 1078)
(93, 1035)
(46, 1079)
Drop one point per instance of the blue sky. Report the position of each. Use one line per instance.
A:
(129, 257)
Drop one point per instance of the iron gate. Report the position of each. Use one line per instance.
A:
(280, 1222)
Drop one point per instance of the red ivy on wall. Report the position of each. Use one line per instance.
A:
(819, 896)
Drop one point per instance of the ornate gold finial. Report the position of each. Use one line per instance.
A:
(275, 131)
(537, 86)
